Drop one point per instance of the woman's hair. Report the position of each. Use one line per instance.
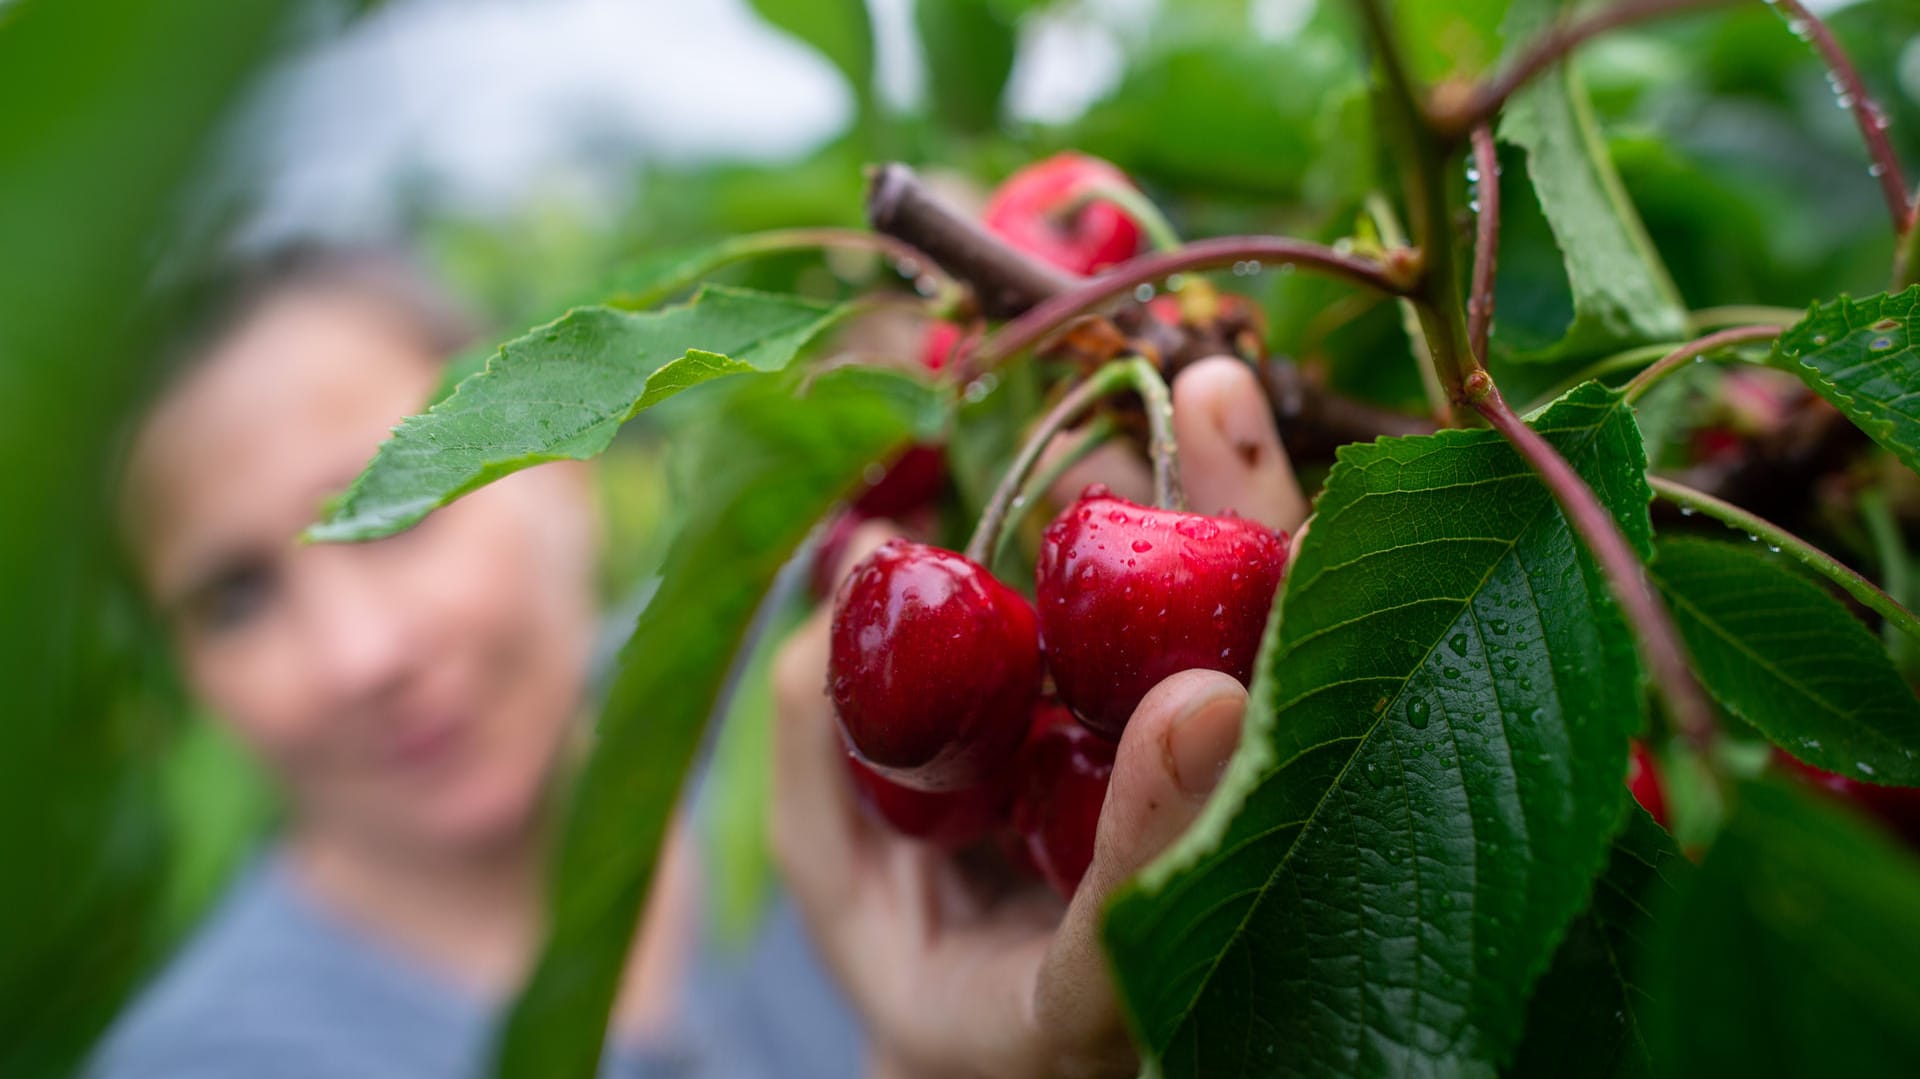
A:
(207, 312)
(393, 285)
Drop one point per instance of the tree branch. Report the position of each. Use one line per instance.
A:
(1463, 112)
(1867, 114)
(1653, 630)
(1043, 318)
(1005, 280)
(1423, 159)
(1486, 241)
(1815, 559)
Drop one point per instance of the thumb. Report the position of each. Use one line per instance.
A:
(1171, 756)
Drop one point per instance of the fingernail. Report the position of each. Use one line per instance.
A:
(1202, 740)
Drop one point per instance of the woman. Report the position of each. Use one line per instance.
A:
(413, 701)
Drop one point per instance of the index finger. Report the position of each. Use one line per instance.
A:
(1231, 457)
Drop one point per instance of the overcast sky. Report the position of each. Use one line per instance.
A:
(478, 102)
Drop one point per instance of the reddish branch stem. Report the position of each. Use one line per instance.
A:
(1692, 350)
(1659, 642)
(1030, 328)
(1486, 241)
(1479, 105)
(1866, 112)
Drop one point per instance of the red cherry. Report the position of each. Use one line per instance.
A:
(933, 666)
(951, 819)
(1063, 772)
(1166, 310)
(1896, 807)
(917, 475)
(1715, 444)
(1643, 779)
(1035, 210)
(938, 342)
(911, 481)
(1129, 595)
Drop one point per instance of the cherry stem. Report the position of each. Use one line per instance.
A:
(1163, 449)
(1479, 105)
(1660, 647)
(1050, 314)
(1869, 594)
(1867, 114)
(1486, 241)
(1108, 379)
(1099, 431)
(1639, 384)
(1135, 204)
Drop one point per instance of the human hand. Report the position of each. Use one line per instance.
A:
(957, 967)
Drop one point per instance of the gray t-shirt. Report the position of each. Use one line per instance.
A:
(273, 985)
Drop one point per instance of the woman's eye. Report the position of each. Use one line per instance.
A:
(234, 599)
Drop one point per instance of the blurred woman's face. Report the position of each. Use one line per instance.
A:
(413, 692)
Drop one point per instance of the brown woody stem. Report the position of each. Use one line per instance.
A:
(1005, 281)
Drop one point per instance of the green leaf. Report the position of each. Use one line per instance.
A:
(969, 47)
(1860, 355)
(1622, 293)
(112, 115)
(839, 29)
(1587, 1016)
(561, 392)
(1793, 951)
(772, 464)
(1781, 653)
(1428, 780)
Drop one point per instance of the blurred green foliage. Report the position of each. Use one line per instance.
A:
(120, 820)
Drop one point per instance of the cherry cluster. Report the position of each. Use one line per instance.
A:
(940, 672)
(969, 713)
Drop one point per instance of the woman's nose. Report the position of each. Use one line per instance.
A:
(360, 632)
